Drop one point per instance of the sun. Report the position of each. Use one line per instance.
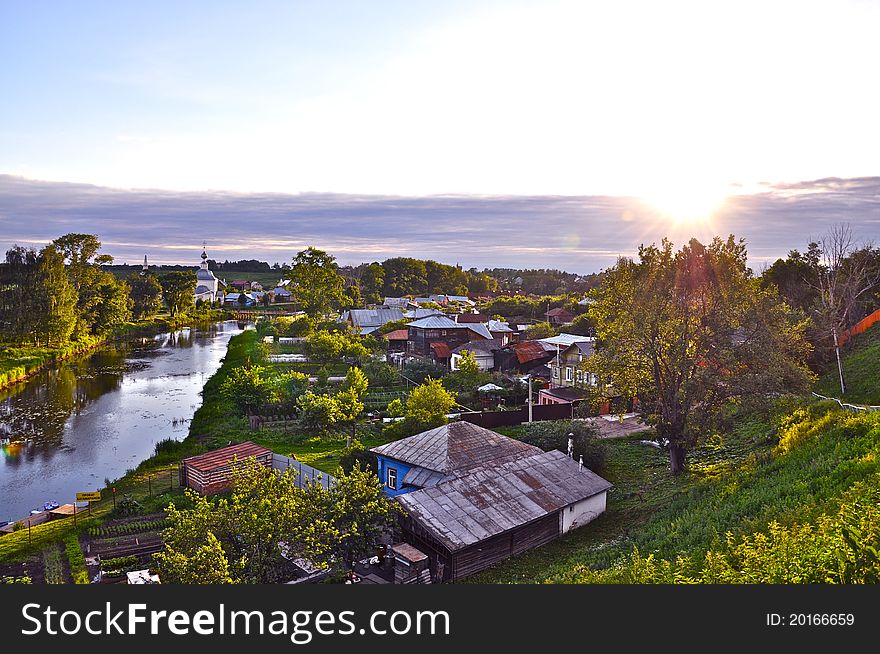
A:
(687, 207)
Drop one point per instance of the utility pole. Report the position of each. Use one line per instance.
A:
(529, 382)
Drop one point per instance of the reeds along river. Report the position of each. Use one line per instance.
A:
(93, 417)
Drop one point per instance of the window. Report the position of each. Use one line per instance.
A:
(579, 375)
(569, 374)
(555, 372)
(443, 333)
(593, 380)
(392, 478)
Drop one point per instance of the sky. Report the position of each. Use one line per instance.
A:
(458, 130)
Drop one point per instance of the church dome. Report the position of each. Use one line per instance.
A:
(204, 273)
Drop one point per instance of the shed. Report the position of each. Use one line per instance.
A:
(211, 472)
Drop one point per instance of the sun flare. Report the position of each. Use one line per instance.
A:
(684, 207)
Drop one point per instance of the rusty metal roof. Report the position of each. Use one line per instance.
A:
(397, 335)
(441, 350)
(221, 457)
(458, 446)
(529, 351)
(494, 498)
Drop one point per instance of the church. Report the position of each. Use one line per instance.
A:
(207, 285)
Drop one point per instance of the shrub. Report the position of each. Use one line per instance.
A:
(76, 560)
(553, 435)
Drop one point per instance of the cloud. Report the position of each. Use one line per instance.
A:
(580, 234)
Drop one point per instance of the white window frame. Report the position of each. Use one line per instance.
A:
(569, 374)
(391, 478)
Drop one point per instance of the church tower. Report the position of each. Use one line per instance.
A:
(146, 268)
(207, 285)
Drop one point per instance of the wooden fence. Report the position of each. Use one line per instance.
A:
(306, 475)
(490, 419)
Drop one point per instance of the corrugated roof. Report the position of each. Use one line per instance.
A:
(470, 318)
(529, 351)
(564, 340)
(397, 335)
(480, 329)
(441, 350)
(498, 326)
(372, 317)
(567, 393)
(455, 447)
(220, 457)
(492, 499)
(558, 312)
(418, 314)
(436, 322)
(489, 346)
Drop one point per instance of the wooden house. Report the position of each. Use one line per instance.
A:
(472, 497)
(211, 472)
(424, 333)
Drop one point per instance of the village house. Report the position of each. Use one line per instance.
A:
(402, 303)
(472, 497)
(281, 294)
(436, 336)
(483, 351)
(559, 317)
(397, 341)
(525, 357)
(566, 368)
(366, 321)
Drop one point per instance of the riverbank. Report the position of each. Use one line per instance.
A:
(19, 363)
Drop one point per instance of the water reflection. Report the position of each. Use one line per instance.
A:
(99, 414)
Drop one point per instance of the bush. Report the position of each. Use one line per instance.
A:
(357, 455)
(553, 435)
(76, 560)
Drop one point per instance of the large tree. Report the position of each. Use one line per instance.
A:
(688, 332)
(315, 282)
(178, 289)
(146, 296)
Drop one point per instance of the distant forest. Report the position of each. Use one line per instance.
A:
(408, 276)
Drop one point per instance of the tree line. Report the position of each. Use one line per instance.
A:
(62, 293)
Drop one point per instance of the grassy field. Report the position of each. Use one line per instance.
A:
(737, 484)
(861, 370)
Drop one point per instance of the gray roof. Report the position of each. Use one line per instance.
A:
(498, 326)
(418, 314)
(564, 340)
(488, 346)
(492, 499)
(584, 347)
(436, 322)
(479, 328)
(372, 317)
(455, 447)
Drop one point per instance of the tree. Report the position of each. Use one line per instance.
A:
(317, 411)
(146, 296)
(55, 312)
(113, 303)
(428, 405)
(348, 400)
(842, 279)
(373, 283)
(360, 514)
(315, 282)
(467, 375)
(178, 290)
(247, 388)
(405, 276)
(688, 332)
(540, 330)
(583, 325)
(330, 347)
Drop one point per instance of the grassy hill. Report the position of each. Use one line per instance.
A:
(861, 370)
(795, 470)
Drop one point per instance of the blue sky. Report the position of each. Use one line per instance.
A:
(678, 115)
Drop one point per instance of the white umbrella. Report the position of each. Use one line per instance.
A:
(486, 388)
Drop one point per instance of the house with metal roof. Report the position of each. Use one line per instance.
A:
(366, 321)
(473, 497)
(211, 472)
(424, 333)
(483, 351)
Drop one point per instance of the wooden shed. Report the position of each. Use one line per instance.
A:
(211, 472)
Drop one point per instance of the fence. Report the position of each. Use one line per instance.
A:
(306, 475)
(490, 419)
(860, 327)
(848, 406)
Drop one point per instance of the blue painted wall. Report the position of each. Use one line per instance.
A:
(402, 469)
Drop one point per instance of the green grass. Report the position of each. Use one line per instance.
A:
(861, 370)
(53, 568)
(737, 484)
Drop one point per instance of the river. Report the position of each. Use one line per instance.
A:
(96, 416)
